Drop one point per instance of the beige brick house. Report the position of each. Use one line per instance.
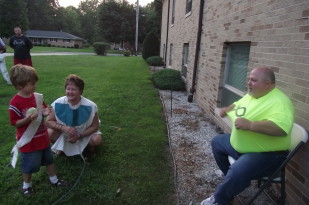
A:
(54, 38)
(205, 39)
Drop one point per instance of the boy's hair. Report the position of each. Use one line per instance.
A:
(75, 79)
(20, 75)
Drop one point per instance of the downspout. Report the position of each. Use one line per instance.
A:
(197, 51)
(167, 26)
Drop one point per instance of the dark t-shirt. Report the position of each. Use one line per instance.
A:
(21, 46)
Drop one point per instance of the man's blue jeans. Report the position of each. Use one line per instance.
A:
(248, 166)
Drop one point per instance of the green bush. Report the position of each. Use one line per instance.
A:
(100, 48)
(168, 79)
(126, 53)
(151, 45)
(86, 45)
(76, 45)
(155, 61)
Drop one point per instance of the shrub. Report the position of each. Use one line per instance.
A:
(168, 79)
(86, 45)
(100, 48)
(155, 61)
(126, 53)
(76, 45)
(151, 45)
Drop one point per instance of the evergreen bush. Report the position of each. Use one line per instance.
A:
(155, 61)
(151, 45)
(100, 48)
(168, 79)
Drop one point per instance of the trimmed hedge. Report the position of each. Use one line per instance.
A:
(100, 48)
(151, 45)
(155, 61)
(168, 79)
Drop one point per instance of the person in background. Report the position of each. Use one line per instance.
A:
(21, 45)
(262, 121)
(2, 43)
(3, 66)
(27, 111)
(74, 123)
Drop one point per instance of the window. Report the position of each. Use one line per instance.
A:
(171, 53)
(173, 11)
(53, 40)
(235, 75)
(188, 6)
(66, 40)
(185, 56)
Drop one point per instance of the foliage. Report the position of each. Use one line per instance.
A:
(12, 13)
(100, 48)
(40, 12)
(155, 61)
(68, 20)
(116, 21)
(151, 45)
(133, 157)
(151, 18)
(168, 79)
(88, 13)
(126, 53)
(94, 20)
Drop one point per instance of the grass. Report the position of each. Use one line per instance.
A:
(45, 49)
(133, 158)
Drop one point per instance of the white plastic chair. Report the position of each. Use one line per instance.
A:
(298, 138)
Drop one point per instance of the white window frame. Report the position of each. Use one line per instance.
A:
(188, 3)
(226, 86)
(185, 59)
(170, 56)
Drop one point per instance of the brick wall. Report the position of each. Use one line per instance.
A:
(279, 35)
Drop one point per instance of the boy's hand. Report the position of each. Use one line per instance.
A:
(32, 117)
(46, 111)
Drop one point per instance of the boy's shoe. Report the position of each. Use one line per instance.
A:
(61, 183)
(210, 201)
(28, 192)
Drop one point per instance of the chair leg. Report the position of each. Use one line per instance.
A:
(283, 194)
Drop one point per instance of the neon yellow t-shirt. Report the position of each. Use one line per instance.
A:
(274, 106)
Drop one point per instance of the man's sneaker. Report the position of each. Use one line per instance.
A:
(210, 201)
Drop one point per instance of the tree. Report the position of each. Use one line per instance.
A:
(151, 45)
(68, 20)
(42, 14)
(88, 19)
(151, 19)
(116, 21)
(12, 13)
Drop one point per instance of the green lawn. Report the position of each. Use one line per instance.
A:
(45, 49)
(134, 157)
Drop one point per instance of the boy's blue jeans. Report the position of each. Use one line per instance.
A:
(248, 166)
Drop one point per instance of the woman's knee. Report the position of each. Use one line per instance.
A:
(96, 140)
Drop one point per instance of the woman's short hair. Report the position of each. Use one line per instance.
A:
(76, 80)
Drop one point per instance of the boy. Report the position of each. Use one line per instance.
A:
(33, 141)
(2, 65)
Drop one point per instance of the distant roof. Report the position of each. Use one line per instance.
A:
(51, 34)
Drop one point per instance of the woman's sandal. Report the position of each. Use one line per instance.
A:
(61, 183)
(28, 192)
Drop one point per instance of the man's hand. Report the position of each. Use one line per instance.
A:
(242, 123)
(225, 110)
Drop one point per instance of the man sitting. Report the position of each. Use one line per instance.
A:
(261, 133)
